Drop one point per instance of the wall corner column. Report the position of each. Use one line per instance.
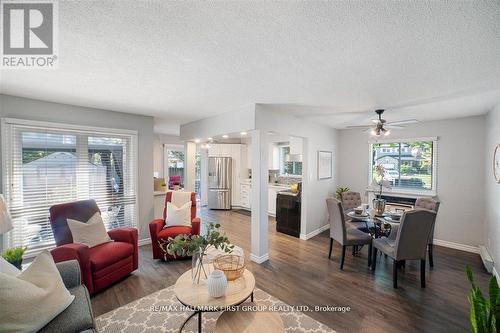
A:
(260, 176)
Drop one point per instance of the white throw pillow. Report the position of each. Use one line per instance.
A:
(91, 233)
(35, 297)
(7, 268)
(178, 216)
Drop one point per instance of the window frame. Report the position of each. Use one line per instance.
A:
(92, 131)
(405, 190)
(282, 163)
(172, 147)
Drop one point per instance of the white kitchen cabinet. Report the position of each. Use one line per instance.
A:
(295, 145)
(246, 196)
(273, 157)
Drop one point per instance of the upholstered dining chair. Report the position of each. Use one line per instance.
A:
(430, 204)
(344, 235)
(351, 200)
(410, 244)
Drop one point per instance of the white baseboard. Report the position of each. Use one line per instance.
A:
(259, 260)
(315, 232)
(144, 241)
(457, 246)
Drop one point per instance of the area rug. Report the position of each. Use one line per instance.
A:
(161, 312)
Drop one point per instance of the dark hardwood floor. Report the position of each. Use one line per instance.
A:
(299, 273)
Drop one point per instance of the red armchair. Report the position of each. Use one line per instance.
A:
(101, 265)
(158, 232)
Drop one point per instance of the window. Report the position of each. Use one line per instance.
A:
(287, 165)
(45, 165)
(175, 165)
(410, 165)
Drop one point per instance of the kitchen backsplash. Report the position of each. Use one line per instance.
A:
(289, 180)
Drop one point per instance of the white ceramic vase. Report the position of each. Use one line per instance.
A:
(217, 284)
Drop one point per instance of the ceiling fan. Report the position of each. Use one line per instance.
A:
(382, 127)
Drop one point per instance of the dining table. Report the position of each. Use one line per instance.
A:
(377, 225)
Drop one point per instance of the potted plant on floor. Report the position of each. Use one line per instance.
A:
(196, 246)
(341, 190)
(484, 314)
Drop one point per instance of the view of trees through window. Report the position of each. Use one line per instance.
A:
(407, 164)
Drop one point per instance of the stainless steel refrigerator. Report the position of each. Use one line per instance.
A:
(220, 175)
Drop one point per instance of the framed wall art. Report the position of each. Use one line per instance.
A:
(325, 164)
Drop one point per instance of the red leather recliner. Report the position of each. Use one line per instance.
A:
(157, 232)
(101, 265)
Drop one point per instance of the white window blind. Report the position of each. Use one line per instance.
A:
(47, 164)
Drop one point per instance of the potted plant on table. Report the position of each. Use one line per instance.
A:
(484, 314)
(14, 256)
(380, 182)
(196, 246)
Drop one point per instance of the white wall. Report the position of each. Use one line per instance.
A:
(235, 121)
(460, 174)
(316, 137)
(492, 198)
(22, 108)
(158, 152)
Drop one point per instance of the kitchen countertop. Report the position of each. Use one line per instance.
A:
(274, 185)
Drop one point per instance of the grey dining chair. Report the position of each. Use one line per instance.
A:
(430, 204)
(342, 234)
(410, 243)
(351, 200)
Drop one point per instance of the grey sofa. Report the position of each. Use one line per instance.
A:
(77, 317)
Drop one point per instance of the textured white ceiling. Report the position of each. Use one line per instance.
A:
(182, 61)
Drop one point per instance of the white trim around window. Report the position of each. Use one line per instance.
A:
(402, 190)
(66, 162)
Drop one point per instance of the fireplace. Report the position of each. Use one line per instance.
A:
(399, 201)
(394, 202)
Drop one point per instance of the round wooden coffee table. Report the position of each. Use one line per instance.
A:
(249, 322)
(195, 296)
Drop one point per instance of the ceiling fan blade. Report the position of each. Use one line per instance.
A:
(360, 126)
(403, 122)
(393, 127)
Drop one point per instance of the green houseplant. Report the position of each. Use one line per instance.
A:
(196, 246)
(341, 190)
(14, 255)
(484, 314)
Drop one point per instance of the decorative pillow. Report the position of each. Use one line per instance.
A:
(33, 298)
(179, 216)
(179, 198)
(91, 233)
(7, 268)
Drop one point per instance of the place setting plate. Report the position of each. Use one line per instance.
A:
(358, 216)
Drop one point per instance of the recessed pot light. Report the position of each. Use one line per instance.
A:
(243, 133)
(197, 140)
(225, 136)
